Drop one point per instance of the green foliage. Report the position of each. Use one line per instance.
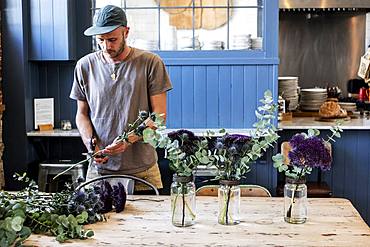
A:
(180, 162)
(263, 136)
(30, 211)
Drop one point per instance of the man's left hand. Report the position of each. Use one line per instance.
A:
(116, 148)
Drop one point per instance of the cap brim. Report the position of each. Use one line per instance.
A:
(94, 30)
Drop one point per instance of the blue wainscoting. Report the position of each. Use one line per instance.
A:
(350, 172)
(217, 96)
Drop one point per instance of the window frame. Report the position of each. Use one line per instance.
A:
(267, 29)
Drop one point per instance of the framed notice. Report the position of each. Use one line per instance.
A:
(43, 111)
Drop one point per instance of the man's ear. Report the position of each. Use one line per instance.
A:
(125, 33)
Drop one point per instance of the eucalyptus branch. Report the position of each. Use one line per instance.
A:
(143, 121)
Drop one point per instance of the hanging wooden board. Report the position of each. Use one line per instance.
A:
(207, 18)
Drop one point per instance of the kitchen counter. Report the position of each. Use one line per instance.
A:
(75, 133)
(361, 123)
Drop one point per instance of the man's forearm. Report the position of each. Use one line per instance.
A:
(85, 128)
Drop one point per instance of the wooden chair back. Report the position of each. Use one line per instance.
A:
(246, 190)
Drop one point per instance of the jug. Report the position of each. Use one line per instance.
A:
(363, 95)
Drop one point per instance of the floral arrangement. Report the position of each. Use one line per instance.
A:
(307, 151)
(233, 154)
(230, 154)
(183, 150)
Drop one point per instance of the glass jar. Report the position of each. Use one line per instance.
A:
(183, 201)
(295, 201)
(229, 202)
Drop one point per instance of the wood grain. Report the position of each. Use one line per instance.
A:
(332, 222)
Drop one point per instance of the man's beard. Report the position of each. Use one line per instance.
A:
(113, 53)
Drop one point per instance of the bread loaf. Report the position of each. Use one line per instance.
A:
(330, 109)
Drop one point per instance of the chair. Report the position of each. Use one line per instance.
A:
(127, 181)
(317, 188)
(56, 167)
(250, 190)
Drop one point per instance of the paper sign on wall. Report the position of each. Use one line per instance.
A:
(44, 111)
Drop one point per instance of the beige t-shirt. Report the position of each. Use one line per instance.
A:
(115, 101)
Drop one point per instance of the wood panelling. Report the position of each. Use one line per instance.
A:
(52, 34)
(223, 96)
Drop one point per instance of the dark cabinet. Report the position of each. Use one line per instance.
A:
(52, 30)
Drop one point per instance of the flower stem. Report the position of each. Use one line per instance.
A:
(227, 203)
(289, 212)
(78, 163)
(292, 199)
(183, 204)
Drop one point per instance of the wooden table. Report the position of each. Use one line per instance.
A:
(332, 222)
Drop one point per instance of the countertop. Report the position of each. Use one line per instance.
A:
(75, 133)
(360, 123)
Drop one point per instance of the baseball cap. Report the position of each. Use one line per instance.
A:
(108, 19)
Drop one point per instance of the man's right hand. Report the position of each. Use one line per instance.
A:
(99, 158)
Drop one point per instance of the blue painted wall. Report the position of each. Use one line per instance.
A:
(217, 96)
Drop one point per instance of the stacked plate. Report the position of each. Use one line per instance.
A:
(186, 43)
(257, 43)
(348, 106)
(145, 44)
(213, 45)
(312, 98)
(288, 89)
(241, 42)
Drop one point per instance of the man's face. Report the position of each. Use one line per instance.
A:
(113, 43)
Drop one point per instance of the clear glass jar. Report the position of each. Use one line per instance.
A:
(229, 202)
(295, 201)
(183, 201)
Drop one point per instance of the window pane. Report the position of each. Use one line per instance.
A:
(212, 3)
(213, 33)
(168, 32)
(243, 27)
(143, 25)
(102, 3)
(246, 3)
(141, 3)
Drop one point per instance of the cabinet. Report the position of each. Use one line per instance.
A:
(52, 30)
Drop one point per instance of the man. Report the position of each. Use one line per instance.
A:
(111, 86)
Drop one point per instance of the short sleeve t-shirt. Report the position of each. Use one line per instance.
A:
(115, 94)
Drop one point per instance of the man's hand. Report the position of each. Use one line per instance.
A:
(99, 158)
(116, 148)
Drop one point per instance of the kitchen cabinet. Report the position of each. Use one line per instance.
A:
(52, 30)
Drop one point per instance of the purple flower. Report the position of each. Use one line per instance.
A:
(187, 140)
(309, 152)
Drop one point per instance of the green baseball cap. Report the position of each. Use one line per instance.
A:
(108, 19)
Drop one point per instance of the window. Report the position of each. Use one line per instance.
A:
(192, 24)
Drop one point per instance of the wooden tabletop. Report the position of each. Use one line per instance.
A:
(331, 222)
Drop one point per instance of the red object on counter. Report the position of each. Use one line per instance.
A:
(364, 94)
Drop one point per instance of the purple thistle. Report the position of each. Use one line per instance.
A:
(310, 152)
(187, 140)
